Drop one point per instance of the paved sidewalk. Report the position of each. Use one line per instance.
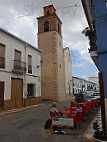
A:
(88, 135)
(17, 110)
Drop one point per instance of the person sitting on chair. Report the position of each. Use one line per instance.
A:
(55, 111)
(79, 109)
(78, 116)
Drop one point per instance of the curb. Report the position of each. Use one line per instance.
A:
(86, 131)
(69, 99)
(15, 111)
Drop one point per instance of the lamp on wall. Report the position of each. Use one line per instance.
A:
(41, 63)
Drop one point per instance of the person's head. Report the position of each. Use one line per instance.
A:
(54, 104)
(78, 105)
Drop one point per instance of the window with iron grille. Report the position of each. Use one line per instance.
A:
(31, 90)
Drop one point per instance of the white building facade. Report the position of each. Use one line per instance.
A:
(82, 86)
(68, 72)
(20, 74)
(95, 80)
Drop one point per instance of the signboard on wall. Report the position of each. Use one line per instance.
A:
(63, 121)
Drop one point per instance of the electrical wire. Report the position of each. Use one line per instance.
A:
(22, 16)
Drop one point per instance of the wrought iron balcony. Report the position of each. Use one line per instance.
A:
(2, 62)
(29, 69)
(19, 66)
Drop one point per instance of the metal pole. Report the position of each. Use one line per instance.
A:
(102, 100)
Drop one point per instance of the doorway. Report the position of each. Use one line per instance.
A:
(16, 93)
(1, 94)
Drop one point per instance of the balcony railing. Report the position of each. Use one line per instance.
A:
(29, 69)
(19, 66)
(2, 62)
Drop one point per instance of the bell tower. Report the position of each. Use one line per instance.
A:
(50, 42)
(50, 21)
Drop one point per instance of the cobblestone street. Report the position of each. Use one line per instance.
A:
(28, 126)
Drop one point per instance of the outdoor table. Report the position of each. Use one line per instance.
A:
(66, 112)
(73, 108)
(69, 113)
(82, 104)
(64, 122)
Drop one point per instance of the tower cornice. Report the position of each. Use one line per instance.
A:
(47, 16)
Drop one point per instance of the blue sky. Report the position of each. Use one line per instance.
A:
(19, 18)
(81, 68)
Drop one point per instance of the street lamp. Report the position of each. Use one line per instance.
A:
(41, 63)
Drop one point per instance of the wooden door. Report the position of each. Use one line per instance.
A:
(1, 94)
(17, 93)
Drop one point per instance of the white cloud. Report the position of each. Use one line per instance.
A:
(73, 19)
(78, 65)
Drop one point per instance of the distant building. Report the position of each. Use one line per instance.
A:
(20, 77)
(82, 86)
(95, 80)
(68, 73)
(53, 70)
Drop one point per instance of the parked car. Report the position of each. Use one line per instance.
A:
(97, 96)
(89, 96)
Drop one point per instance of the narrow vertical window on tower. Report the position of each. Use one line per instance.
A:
(58, 28)
(48, 12)
(46, 26)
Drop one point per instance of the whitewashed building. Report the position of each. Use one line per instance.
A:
(20, 72)
(82, 86)
(68, 72)
(95, 80)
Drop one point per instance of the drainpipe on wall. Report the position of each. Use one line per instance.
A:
(24, 82)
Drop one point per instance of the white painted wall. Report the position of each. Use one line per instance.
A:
(68, 72)
(78, 84)
(95, 80)
(6, 74)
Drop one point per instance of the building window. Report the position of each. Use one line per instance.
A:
(17, 60)
(17, 55)
(46, 26)
(31, 90)
(29, 64)
(18, 64)
(48, 12)
(60, 66)
(59, 44)
(2, 56)
(58, 28)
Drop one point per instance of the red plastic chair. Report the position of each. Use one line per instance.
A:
(95, 103)
(66, 108)
(83, 109)
(73, 105)
(87, 109)
(78, 119)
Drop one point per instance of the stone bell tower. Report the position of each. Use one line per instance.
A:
(50, 42)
